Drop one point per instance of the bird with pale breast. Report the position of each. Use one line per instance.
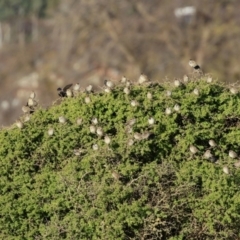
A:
(108, 84)
(115, 175)
(89, 89)
(62, 119)
(32, 103)
(32, 95)
(143, 79)
(69, 93)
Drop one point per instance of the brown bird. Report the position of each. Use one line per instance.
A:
(115, 175)
(195, 66)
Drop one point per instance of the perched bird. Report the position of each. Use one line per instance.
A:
(193, 149)
(19, 124)
(134, 103)
(26, 118)
(176, 108)
(233, 90)
(107, 139)
(196, 91)
(107, 90)
(123, 79)
(237, 164)
(76, 87)
(27, 109)
(177, 83)
(185, 78)
(168, 111)
(87, 100)
(32, 95)
(115, 175)
(50, 131)
(62, 91)
(226, 170)
(208, 155)
(99, 131)
(151, 121)
(195, 66)
(168, 93)
(137, 136)
(143, 79)
(212, 143)
(89, 89)
(209, 79)
(131, 122)
(78, 151)
(79, 121)
(95, 121)
(62, 119)
(108, 84)
(130, 142)
(92, 129)
(146, 135)
(31, 102)
(232, 154)
(126, 90)
(69, 93)
(95, 147)
(149, 95)
(129, 129)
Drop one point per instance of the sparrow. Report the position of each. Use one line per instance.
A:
(27, 109)
(115, 175)
(212, 143)
(31, 103)
(50, 131)
(143, 79)
(19, 124)
(69, 93)
(195, 66)
(176, 108)
(99, 131)
(107, 139)
(76, 87)
(151, 121)
(32, 95)
(226, 170)
(62, 91)
(89, 89)
(193, 149)
(108, 84)
(149, 95)
(62, 119)
(232, 154)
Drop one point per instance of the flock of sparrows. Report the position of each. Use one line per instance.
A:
(209, 155)
(71, 90)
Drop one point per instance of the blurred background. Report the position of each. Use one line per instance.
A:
(46, 44)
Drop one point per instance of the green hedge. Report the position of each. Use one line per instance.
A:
(164, 191)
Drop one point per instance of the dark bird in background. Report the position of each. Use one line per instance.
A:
(195, 66)
(62, 91)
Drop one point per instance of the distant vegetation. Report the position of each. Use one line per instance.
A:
(126, 166)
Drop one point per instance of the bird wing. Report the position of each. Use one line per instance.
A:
(67, 87)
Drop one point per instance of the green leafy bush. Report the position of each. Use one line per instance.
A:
(59, 187)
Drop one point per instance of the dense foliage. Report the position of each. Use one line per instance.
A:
(144, 184)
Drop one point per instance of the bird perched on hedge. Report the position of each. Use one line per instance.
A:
(62, 91)
(195, 66)
(143, 79)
